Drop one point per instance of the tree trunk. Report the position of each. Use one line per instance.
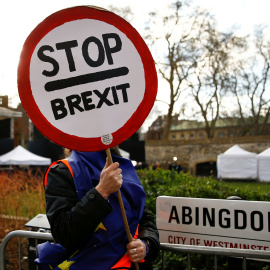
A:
(168, 122)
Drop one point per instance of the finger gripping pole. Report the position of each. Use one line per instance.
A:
(122, 208)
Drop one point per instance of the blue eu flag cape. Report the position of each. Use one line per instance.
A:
(108, 244)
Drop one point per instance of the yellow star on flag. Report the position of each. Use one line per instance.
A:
(65, 265)
(100, 226)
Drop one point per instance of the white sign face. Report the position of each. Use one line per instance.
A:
(215, 223)
(86, 78)
(92, 78)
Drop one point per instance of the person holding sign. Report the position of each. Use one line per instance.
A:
(87, 81)
(85, 218)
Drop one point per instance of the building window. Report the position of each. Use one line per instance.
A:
(201, 135)
(221, 134)
(173, 137)
(182, 136)
(191, 136)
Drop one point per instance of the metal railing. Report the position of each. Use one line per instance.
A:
(20, 233)
(189, 249)
(216, 251)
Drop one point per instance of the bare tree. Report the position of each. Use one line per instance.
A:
(251, 88)
(124, 12)
(176, 54)
(212, 78)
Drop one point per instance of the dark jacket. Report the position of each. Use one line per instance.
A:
(72, 220)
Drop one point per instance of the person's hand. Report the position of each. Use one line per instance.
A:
(110, 179)
(136, 250)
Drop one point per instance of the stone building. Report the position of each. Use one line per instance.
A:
(11, 122)
(199, 157)
(189, 146)
(195, 130)
(17, 129)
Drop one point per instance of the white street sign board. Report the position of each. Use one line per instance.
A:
(214, 223)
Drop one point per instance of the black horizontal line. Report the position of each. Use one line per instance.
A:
(216, 235)
(86, 78)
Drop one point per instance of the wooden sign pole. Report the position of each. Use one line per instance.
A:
(130, 239)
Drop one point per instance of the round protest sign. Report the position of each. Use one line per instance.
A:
(86, 78)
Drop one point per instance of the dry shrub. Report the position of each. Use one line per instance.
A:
(21, 199)
(22, 193)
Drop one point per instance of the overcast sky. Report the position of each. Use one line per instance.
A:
(18, 18)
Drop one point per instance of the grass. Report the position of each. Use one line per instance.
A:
(248, 185)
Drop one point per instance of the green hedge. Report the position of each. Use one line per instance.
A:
(162, 182)
(170, 183)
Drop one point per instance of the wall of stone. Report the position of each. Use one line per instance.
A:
(190, 153)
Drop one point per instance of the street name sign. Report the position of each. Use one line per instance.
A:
(214, 223)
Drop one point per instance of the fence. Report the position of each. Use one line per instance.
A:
(230, 252)
(19, 234)
(256, 254)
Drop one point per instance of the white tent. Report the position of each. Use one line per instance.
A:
(263, 161)
(124, 153)
(21, 156)
(237, 163)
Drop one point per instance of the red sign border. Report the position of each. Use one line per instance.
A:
(45, 127)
